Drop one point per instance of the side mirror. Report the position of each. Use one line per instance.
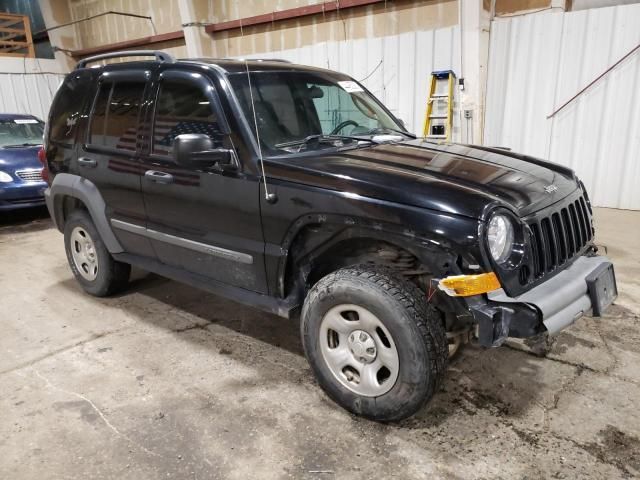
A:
(196, 150)
(401, 122)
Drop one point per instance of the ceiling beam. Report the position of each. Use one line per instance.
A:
(288, 14)
(136, 42)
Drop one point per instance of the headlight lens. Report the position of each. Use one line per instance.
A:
(500, 237)
(5, 177)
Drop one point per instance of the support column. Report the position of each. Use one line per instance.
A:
(193, 13)
(474, 23)
(56, 12)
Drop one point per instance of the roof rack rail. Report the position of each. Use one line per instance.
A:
(159, 56)
(282, 60)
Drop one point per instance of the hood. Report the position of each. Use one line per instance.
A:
(17, 158)
(459, 179)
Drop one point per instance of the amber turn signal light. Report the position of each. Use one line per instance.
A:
(467, 285)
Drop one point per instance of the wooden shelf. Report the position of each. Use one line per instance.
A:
(15, 36)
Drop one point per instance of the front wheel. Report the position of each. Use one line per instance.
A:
(375, 345)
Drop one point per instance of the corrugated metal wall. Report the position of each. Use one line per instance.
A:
(395, 68)
(28, 93)
(539, 61)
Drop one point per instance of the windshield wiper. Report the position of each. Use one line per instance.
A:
(378, 130)
(320, 137)
(18, 145)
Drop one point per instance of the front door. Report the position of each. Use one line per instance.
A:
(201, 219)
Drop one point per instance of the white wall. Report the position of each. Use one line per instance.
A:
(28, 85)
(584, 4)
(539, 61)
(398, 67)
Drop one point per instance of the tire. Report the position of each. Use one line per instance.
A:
(411, 326)
(90, 261)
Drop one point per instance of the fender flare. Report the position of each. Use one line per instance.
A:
(351, 227)
(68, 185)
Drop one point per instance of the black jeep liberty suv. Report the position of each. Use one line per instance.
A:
(294, 190)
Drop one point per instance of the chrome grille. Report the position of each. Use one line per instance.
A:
(34, 175)
(560, 235)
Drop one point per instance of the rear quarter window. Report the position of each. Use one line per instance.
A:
(67, 107)
(114, 121)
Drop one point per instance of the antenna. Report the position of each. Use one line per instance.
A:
(269, 197)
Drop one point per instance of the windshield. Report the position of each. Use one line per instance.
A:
(300, 111)
(21, 132)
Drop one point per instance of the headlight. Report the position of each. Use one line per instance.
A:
(5, 177)
(500, 237)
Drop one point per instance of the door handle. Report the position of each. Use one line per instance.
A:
(87, 162)
(158, 177)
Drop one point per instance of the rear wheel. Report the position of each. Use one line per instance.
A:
(375, 345)
(90, 261)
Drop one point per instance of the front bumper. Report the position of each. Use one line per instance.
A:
(551, 306)
(21, 195)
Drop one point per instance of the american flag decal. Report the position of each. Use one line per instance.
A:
(167, 129)
(128, 140)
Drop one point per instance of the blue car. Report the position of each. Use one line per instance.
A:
(21, 183)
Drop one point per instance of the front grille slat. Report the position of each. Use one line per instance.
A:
(559, 235)
(535, 250)
(583, 224)
(576, 226)
(551, 250)
(30, 175)
(586, 219)
(571, 242)
(542, 248)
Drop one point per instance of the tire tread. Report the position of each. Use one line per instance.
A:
(426, 317)
(114, 275)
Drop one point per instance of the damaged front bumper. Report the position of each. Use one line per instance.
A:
(588, 284)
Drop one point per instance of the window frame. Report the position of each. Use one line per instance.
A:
(246, 119)
(84, 80)
(197, 80)
(113, 78)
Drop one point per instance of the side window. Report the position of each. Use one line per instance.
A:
(182, 108)
(276, 101)
(67, 108)
(99, 115)
(114, 123)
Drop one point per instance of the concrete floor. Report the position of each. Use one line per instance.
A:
(167, 381)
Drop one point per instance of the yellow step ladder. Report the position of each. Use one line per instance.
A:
(438, 122)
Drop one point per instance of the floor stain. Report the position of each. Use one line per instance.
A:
(617, 448)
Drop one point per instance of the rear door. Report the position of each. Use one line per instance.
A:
(108, 156)
(203, 220)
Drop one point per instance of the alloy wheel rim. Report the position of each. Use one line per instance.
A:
(359, 350)
(83, 252)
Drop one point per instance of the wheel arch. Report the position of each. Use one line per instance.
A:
(69, 191)
(321, 244)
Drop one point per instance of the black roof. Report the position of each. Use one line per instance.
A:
(239, 65)
(229, 65)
